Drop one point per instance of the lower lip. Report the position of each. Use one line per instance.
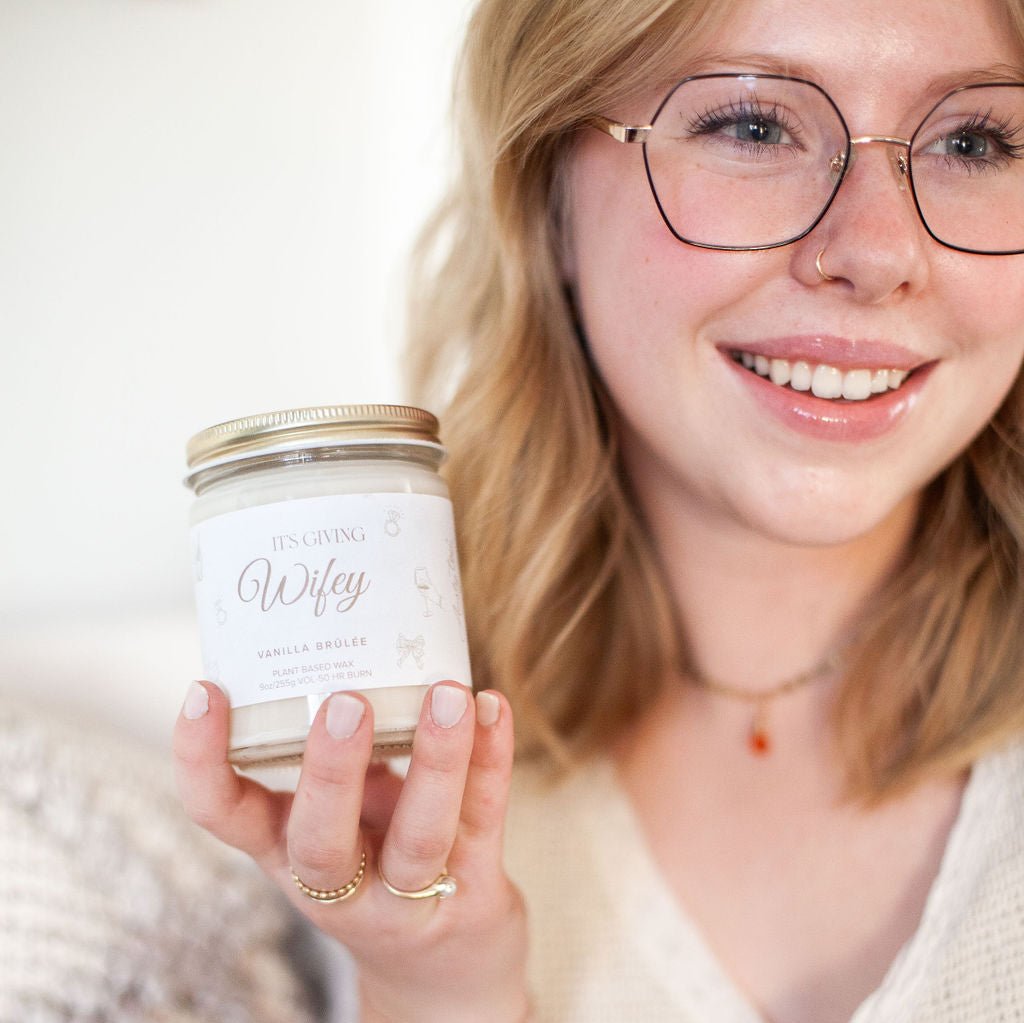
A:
(826, 419)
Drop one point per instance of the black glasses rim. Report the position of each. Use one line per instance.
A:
(771, 76)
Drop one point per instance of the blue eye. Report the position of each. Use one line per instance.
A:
(981, 141)
(760, 132)
(967, 145)
(752, 125)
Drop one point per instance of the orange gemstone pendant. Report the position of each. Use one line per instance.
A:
(758, 741)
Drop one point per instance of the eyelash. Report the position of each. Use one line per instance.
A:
(1000, 133)
(713, 121)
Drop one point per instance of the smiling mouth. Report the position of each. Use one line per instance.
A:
(822, 380)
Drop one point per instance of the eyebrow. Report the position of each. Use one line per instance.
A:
(939, 84)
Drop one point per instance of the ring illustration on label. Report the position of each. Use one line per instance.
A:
(391, 526)
(222, 615)
(414, 648)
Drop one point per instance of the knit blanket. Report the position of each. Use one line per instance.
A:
(115, 907)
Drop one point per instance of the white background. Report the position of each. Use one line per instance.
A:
(205, 212)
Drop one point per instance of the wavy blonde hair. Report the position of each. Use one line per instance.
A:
(569, 613)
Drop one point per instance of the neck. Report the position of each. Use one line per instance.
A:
(756, 611)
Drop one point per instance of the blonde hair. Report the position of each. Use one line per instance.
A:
(568, 611)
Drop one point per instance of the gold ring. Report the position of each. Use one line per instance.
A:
(442, 887)
(817, 262)
(327, 896)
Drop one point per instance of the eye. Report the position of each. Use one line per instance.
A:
(757, 130)
(749, 125)
(984, 140)
(965, 145)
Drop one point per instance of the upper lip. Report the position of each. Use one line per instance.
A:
(827, 349)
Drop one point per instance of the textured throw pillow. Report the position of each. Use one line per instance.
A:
(114, 907)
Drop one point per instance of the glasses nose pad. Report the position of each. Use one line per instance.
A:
(837, 165)
(841, 162)
(901, 166)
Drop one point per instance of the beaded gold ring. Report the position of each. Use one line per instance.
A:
(330, 895)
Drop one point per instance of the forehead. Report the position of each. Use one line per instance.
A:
(892, 50)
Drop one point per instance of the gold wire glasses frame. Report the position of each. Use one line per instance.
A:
(724, 178)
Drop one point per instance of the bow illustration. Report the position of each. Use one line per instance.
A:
(411, 647)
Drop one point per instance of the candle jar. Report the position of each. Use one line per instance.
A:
(324, 555)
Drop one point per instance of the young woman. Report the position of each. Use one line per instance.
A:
(734, 296)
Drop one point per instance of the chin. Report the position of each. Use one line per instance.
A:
(799, 532)
(827, 519)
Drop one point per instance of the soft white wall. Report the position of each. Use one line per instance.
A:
(205, 207)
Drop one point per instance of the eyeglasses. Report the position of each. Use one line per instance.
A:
(753, 161)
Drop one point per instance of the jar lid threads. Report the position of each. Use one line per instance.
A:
(315, 426)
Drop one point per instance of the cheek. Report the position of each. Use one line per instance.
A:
(623, 257)
(637, 286)
(989, 331)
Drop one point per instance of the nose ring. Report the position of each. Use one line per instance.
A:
(821, 273)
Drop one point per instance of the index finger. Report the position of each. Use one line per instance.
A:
(236, 809)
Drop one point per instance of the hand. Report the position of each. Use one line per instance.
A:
(460, 959)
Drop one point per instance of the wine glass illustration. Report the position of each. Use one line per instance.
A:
(431, 595)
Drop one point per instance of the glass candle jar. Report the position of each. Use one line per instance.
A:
(324, 555)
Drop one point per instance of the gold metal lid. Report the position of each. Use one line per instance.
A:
(321, 426)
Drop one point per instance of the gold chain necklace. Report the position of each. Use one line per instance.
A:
(759, 741)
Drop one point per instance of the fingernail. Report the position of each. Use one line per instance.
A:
(197, 702)
(488, 707)
(344, 713)
(447, 705)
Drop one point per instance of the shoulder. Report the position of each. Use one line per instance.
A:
(555, 852)
(558, 815)
(567, 847)
(976, 964)
(997, 804)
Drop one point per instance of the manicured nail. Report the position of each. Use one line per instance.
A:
(488, 707)
(344, 712)
(197, 702)
(447, 705)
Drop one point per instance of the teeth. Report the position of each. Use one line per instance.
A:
(822, 380)
(827, 382)
(780, 372)
(857, 384)
(800, 378)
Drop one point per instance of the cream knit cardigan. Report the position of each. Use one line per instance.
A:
(609, 945)
(114, 908)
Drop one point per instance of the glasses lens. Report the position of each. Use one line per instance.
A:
(744, 161)
(967, 162)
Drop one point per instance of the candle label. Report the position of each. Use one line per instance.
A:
(352, 591)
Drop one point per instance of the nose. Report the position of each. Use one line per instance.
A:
(872, 235)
